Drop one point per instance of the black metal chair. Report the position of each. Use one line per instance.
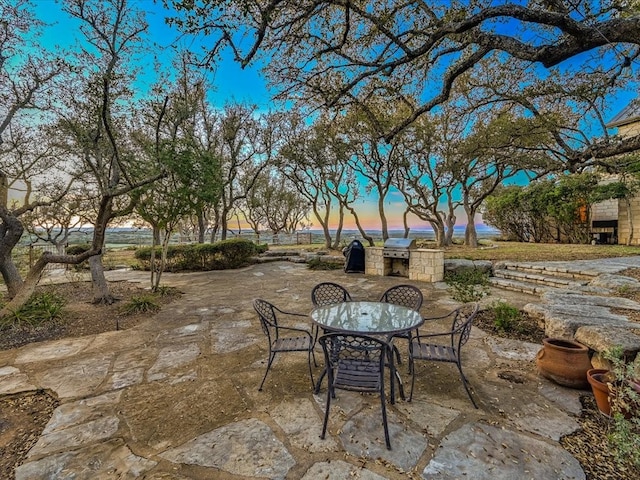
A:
(355, 362)
(405, 296)
(328, 293)
(423, 347)
(294, 340)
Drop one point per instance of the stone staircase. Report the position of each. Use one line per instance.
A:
(537, 279)
(576, 303)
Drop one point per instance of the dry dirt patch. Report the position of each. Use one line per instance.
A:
(81, 317)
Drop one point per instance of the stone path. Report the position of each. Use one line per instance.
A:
(176, 398)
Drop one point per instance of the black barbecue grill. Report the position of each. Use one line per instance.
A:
(398, 247)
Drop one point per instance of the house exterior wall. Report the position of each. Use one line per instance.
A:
(628, 125)
(623, 224)
(607, 210)
(630, 129)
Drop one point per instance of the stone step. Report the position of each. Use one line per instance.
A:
(556, 271)
(519, 286)
(540, 279)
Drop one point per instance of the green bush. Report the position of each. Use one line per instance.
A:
(141, 304)
(624, 435)
(468, 285)
(41, 308)
(78, 249)
(317, 264)
(232, 253)
(505, 316)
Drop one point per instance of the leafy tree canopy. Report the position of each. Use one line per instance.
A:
(337, 52)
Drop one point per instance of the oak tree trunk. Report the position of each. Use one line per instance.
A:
(101, 293)
(11, 275)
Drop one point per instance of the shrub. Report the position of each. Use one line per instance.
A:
(141, 304)
(505, 316)
(41, 307)
(165, 290)
(624, 436)
(232, 253)
(318, 264)
(78, 249)
(468, 285)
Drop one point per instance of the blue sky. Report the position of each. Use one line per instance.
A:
(231, 83)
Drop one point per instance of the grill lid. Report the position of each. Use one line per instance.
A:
(400, 243)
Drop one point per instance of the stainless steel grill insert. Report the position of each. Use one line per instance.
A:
(398, 247)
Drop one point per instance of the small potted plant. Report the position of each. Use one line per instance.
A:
(624, 399)
(623, 383)
(599, 379)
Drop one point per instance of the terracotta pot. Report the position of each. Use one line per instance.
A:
(600, 389)
(565, 362)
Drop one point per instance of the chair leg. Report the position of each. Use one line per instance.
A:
(417, 336)
(310, 353)
(465, 382)
(398, 358)
(271, 357)
(330, 393)
(392, 381)
(384, 420)
(400, 386)
(413, 376)
(322, 375)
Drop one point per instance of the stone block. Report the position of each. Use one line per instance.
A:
(604, 337)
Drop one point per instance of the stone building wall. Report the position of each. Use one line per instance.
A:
(607, 210)
(623, 224)
(629, 130)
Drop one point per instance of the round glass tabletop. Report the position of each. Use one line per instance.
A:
(367, 317)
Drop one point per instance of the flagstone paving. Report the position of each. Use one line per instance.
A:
(176, 397)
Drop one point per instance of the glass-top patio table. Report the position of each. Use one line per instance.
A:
(367, 318)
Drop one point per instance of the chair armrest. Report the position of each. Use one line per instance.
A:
(430, 335)
(290, 313)
(296, 329)
(440, 317)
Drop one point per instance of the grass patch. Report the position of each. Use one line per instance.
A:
(41, 308)
(141, 304)
(165, 291)
(537, 252)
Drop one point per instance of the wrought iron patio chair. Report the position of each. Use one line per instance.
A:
(355, 362)
(328, 293)
(405, 296)
(423, 347)
(283, 338)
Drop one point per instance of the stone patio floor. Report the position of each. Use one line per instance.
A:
(145, 402)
